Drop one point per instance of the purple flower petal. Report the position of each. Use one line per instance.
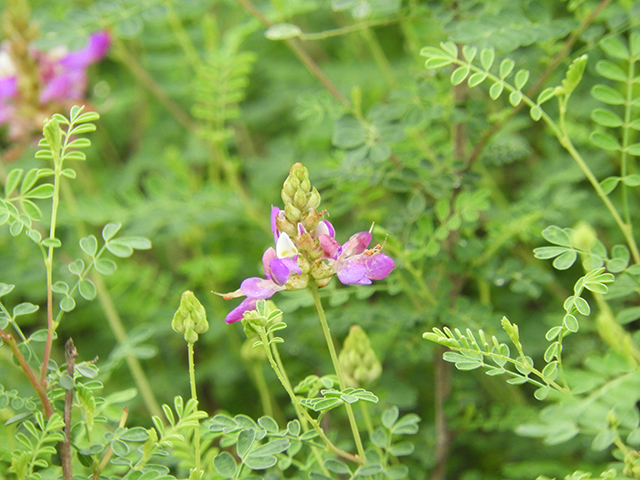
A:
(325, 228)
(282, 268)
(352, 272)
(238, 313)
(96, 49)
(357, 244)
(8, 87)
(68, 85)
(6, 112)
(260, 288)
(268, 256)
(379, 266)
(329, 245)
(274, 228)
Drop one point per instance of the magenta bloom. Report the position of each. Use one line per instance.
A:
(62, 78)
(66, 78)
(278, 267)
(354, 263)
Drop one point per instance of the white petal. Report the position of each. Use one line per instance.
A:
(285, 247)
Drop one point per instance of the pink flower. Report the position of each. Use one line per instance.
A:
(278, 266)
(66, 78)
(62, 77)
(354, 264)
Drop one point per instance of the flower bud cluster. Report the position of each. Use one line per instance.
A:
(191, 318)
(306, 251)
(301, 201)
(359, 362)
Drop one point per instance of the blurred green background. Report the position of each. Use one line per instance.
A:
(205, 105)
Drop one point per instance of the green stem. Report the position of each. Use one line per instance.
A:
(379, 56)
(336, 367)
(183, 38)
(115, 323)
(263, 390)
(48, 262)
(113, 319)
(294, 400)
(626, 130)
(194, 395)
(40, 390)
(561, 134)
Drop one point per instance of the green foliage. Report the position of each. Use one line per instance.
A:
(521, 136)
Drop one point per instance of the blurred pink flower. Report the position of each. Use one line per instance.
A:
(62, 76)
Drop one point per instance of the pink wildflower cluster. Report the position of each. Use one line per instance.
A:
(306, 250)
(62, 77)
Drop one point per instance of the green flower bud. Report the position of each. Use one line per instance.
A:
(320, 271)
(323, 282)
(583, 236)
(359, 363)
(191, 318)
(313, 199)
(297, 282)
(292, 213)
(311, 220)
(300, 199)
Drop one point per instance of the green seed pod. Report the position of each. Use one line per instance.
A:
(359, 363)
(191, 318)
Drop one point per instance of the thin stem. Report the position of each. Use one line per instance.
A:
(300, 52)
(626, 130)
(298, 408)
(357, 27)
(115, 323)
(442, 386)
(109, 452)
(65, 446)
(8, 339)
(336, 367)
(294, 400)
(484, 140)
(113, 319)
(194, 395)
(379, 56)
(55, 201)
(183, 38)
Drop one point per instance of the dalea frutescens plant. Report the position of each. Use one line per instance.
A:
(68, 430)
(597, 398)
(307, 256)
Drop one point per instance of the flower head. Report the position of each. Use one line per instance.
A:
(307, 251)
(34, 82)
(278, 268)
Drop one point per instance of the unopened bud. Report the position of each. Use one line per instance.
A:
(320, 271)
(292, 213)
(191, 318)
(300, 199)
(313, 199)
(323, 282)
(297, 282)
(583, 236)
(311, 220)
(359, 363)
